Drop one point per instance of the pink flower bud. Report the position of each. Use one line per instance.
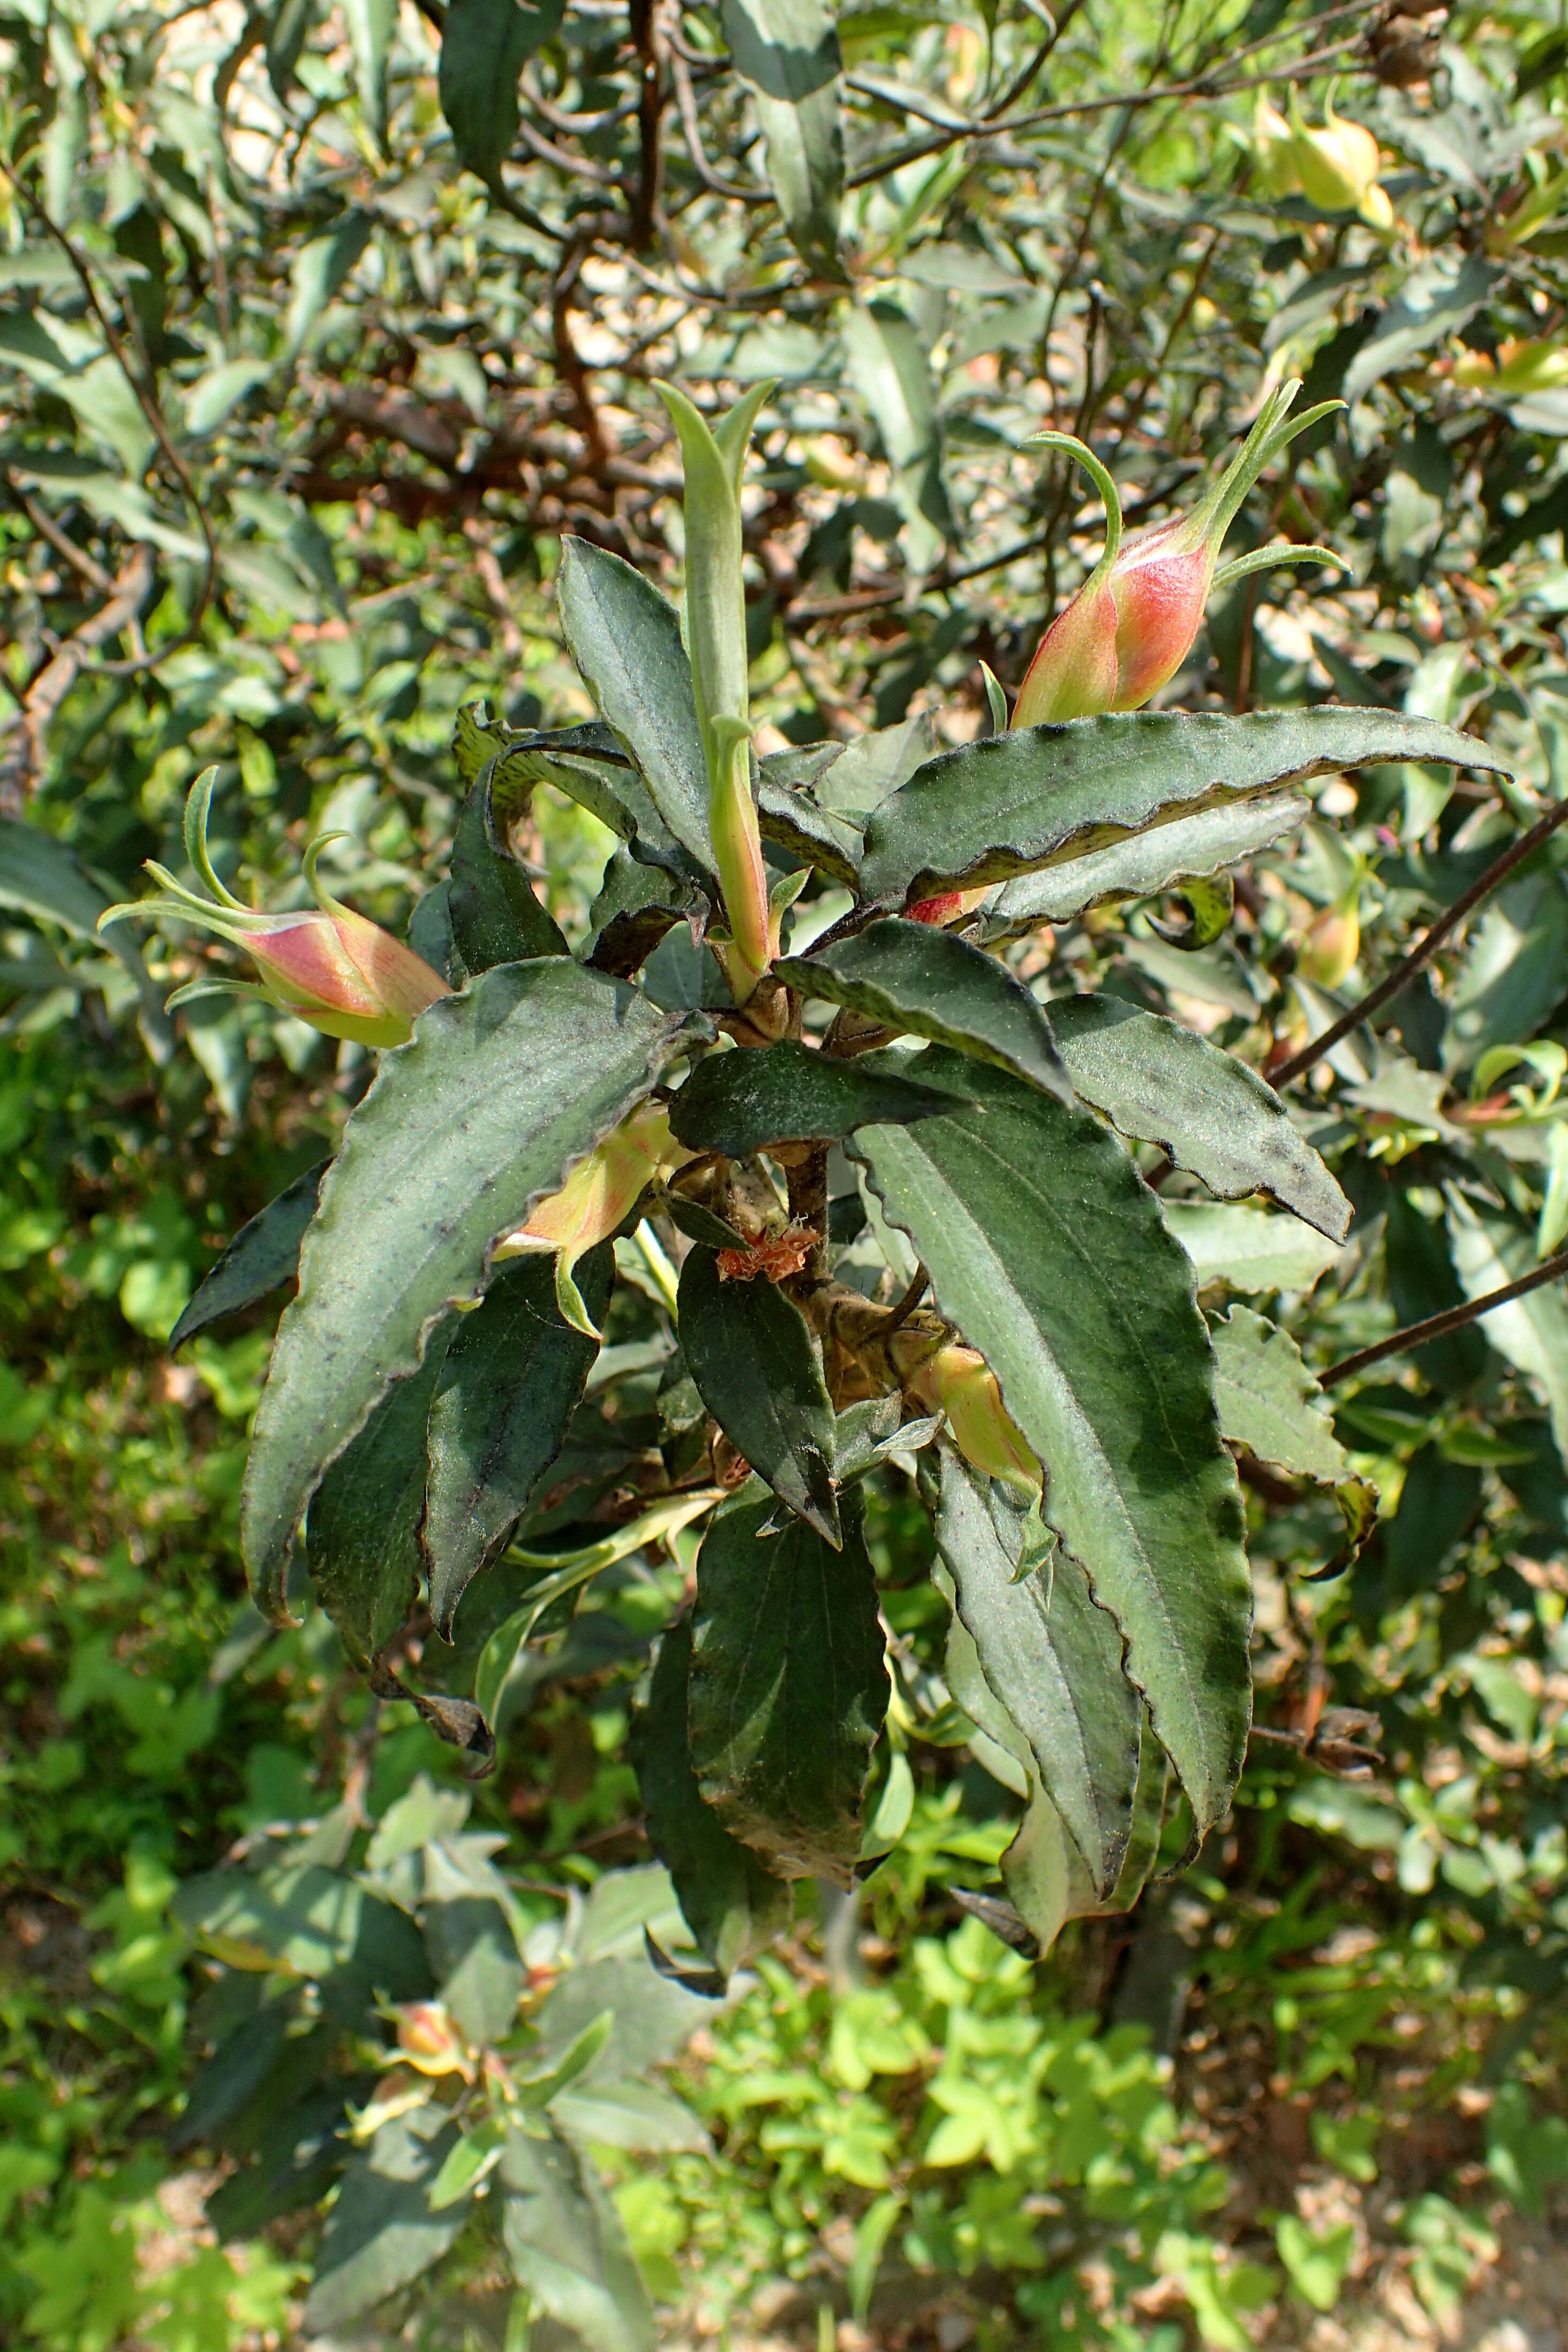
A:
(1131, 625)
(333, 969)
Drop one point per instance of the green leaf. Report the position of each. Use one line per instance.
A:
(625, 639)
(262, 1256)
(303, 1921)
(381, 2234)
(1148, 1820)
(485, 45)
(788, 1684)
(288, 30)
(322, 266)
(786, 52)
(758, 1370)
(737, 1103)
(633, 2115)
(371, 25)
(636, 904)
(472, 2159)
(513, 1374)
(565, 2245)
(1532, 1332)
(582, 2051)
(363, 1530)
(1165, 1085)
(924, 981)
(1043, 794)
(731, 1903)
(1434, 304)
(41, 878)
(501, 1090)
(469, 1936)
(1514, 971)
(889, 367)
(1042, 1869)
(496, 917)
(1269, 1401)
(1052, 1658)
(791, 817)
(1250, 1249)
(1047, 1251)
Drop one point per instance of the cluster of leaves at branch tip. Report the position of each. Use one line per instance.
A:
(1011, 1294)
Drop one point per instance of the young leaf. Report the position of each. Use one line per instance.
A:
(473, 1952)
(1042, 794)
(565, 2245)
(786, 52)
(501, 1090)
(1270, 1402)
(262, 1256)
(759, 1372)
(636, 907)
(732, 1902)
(1048, 1253)
(625, 639)
(1165, 1085)
(496, 918)
(382, 2233)
(1052, 1658)
(485, 45)
(924, 981)
(362, 1532)
(1142, 864)
(738, 1103)
(788, 1684)
(510, 1383)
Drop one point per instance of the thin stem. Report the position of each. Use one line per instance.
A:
(1453, 1319)
(1425, 948)
(900, 1314)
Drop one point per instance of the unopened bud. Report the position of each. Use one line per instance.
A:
(333, 969)
(958, 1381)
(1273, 149)
(1131, 625)
(1332, 944)
(428, 2041)
(1338, 165)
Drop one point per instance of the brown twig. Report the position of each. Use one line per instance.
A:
(1425, 948)
(22, 760)
(1453, 1319)
(646, 38)
(899, 1315)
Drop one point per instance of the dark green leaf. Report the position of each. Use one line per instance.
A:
(1269, 1401)
(924, 981)
(636, 904)
(758, 1370)
(868, 1433)
(496, 918)
(1052, 1658)
(500, 1092)
(512, 1381)
(298, 2153)
(361, 1535)
(1165, 1085)
(738, 1103)
(1434, 304)
(288, 30)
(790, 816)
(1148, 1820)
(484, 46)
(1047, 1251)
(304, 1921)
(733, 1904)
(787, 51)
(429, 934)
(565, 2245)
(381, 2234)
(625, 639)
(700, 1224)
(262, 1256)
(1042, 794)
(788, 1684)
(1143, 862)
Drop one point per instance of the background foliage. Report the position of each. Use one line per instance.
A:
(283, 490)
